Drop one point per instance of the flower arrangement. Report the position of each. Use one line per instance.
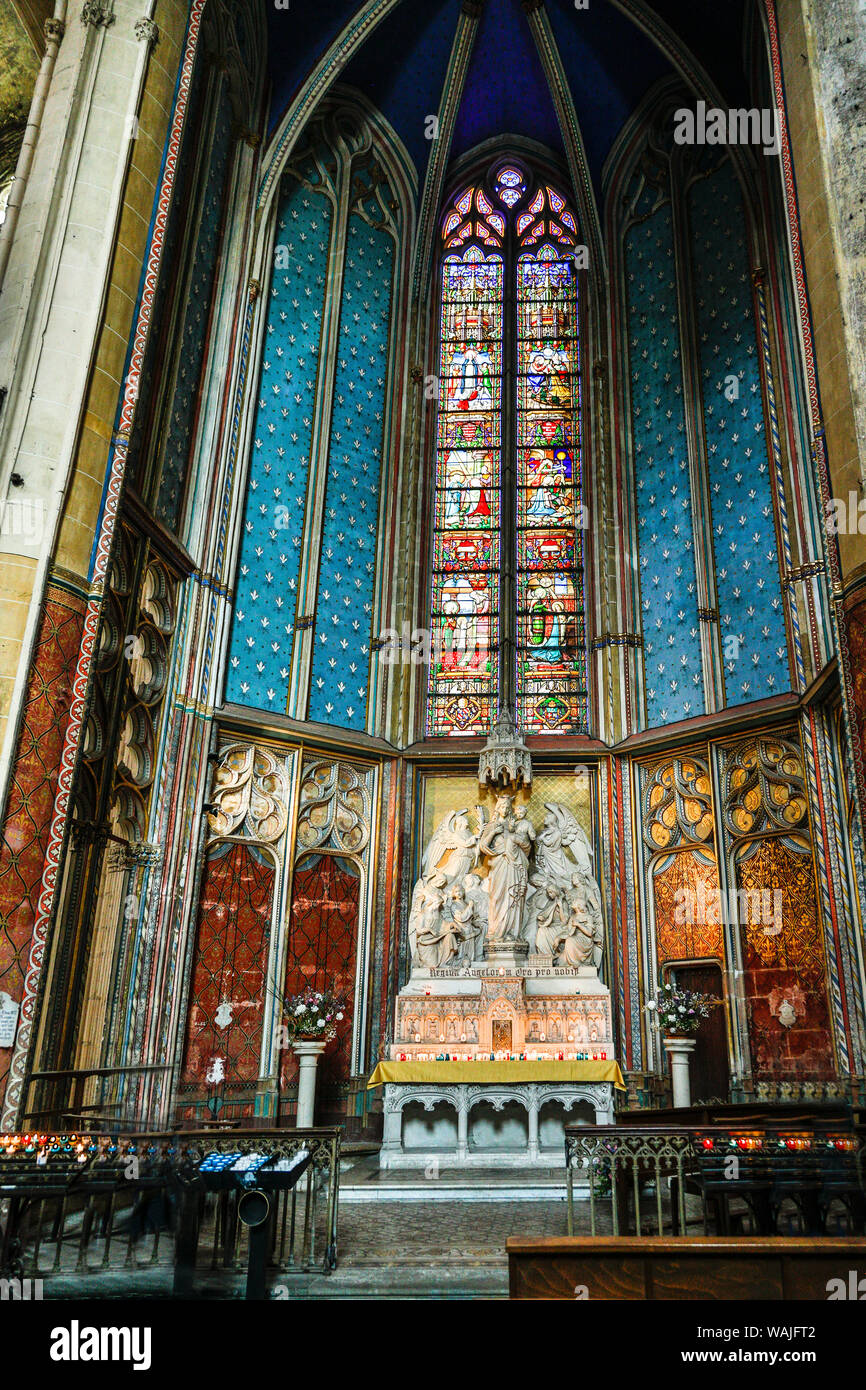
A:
(681, 1011)
(313, 1014)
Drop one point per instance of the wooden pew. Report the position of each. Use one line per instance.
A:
(706, 1268)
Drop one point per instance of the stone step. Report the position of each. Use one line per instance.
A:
(364, 1181)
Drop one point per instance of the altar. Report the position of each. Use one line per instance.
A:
(535, 1096)
(503, 1031)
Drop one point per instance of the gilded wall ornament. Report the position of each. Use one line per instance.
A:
(764, 786)
(250, 794)
(335, 808)
(678, 804)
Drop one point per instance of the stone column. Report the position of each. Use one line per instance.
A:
(308, 1054)
(680, 1050)
(462, 1123)
(532, 1113)
(392, 1126)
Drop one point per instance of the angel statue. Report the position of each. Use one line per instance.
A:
(434, 937)
(563, 858)
(578, 943)
(453, 847)
(425, 913)
(461, 910)
(546, 919)
(559, 834)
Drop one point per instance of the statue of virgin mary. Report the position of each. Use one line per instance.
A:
(507, 841)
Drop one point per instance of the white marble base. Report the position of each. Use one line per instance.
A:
(485, 1125)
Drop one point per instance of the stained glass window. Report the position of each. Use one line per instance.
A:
(466, 522)
(508, 624)
(551, 660)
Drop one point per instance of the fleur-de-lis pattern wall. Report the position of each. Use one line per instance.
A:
(748, 591)
(668, 581)
(310, 540)
(266, 586)
(710, 594)
(341, 654)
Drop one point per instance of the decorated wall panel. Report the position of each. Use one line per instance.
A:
(678, 831)
(673, 676)
(266, 587)
(688, 919)
(344, 609)
(30, 803)
(330, 915)
(784, 963)
(748, 588)
(224, 1027)
(765, 816)
(231, 1010)
(322, 947)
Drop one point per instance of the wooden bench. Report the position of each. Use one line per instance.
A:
(657, 1269)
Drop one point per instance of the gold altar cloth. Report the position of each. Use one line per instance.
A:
(443, 1072)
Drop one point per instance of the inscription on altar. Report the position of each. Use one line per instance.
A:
(529, 972)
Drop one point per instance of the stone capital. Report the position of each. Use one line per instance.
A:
(147, 31)
(97, 12)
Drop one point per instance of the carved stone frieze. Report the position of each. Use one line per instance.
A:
(97, 12)
(146, 31)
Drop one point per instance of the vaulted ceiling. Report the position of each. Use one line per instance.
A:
(611, 53)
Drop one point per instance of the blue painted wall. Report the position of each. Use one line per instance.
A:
(748, 587)
(344, 611)
(266, 584)
(744, 562)
(668, 585)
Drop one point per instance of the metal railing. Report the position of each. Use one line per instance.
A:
(615, 1159)
(761, 1168)
(81, 1204)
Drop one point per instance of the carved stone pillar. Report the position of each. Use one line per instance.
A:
(532, 1114)
(462, 1123)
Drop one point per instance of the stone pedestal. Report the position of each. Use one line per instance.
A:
(680, 1050)
(510, 955)
(308, 1054)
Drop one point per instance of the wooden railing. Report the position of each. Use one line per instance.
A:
(630, 1268)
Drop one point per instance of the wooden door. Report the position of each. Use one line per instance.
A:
(710, 1076)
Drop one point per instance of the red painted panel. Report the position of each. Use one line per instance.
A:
(322, 946)
(230, 964)
(787, 965)
(33, 787)
(856, 621)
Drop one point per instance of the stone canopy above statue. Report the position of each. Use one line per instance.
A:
(499, 890)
